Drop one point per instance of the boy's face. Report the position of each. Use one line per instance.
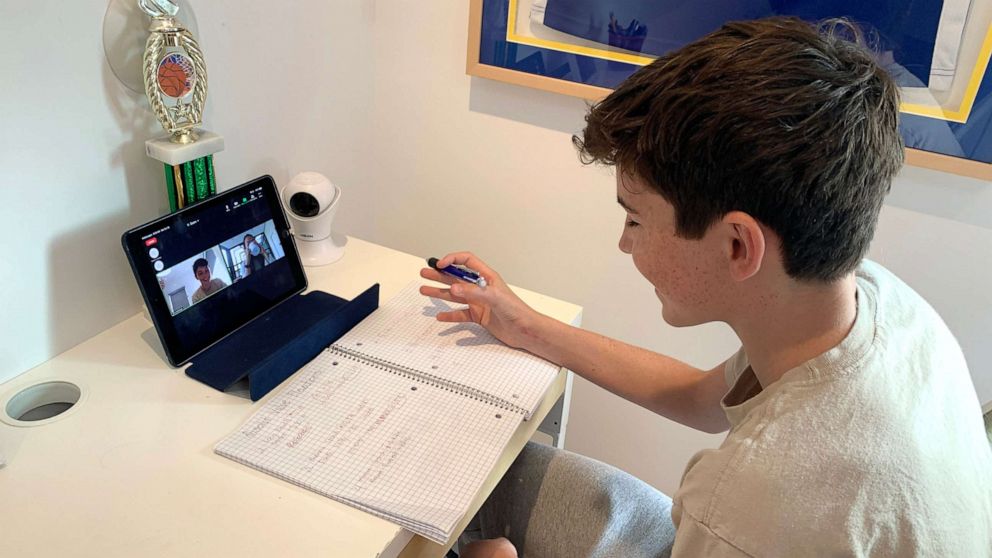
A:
(685, 273)
(203, 274)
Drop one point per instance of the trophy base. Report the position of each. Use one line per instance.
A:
(171, 153)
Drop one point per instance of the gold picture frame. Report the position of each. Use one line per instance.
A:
(473, 67)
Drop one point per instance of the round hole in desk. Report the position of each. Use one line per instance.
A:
(41, 403)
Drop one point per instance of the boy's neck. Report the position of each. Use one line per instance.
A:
(795, 323)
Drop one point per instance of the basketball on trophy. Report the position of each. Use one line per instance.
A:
(175, 74)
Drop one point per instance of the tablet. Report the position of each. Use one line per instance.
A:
(210, 268)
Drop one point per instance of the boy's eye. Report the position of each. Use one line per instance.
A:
(631, 223)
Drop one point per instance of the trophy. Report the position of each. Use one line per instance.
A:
(175, 79)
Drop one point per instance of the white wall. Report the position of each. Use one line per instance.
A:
(936, 234)
(289, 91)
(468, 163)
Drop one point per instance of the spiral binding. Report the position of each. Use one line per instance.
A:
(429, 379)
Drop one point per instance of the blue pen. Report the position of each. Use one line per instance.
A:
(459, 273)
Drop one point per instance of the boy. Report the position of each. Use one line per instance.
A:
(208, 286)
(752, 165)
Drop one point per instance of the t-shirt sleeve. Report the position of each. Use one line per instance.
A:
(695, 539)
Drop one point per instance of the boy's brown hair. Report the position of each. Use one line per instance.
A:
(792, 124)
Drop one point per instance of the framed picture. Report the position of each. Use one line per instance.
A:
(938, 53)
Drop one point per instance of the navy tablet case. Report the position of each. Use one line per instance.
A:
(273, 346)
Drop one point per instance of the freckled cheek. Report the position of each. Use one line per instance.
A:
(692, 284)
(671, 282)
(656, 271)
(673, 274)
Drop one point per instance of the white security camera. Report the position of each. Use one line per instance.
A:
(311, 200)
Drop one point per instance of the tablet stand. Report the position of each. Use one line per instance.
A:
(273, 346)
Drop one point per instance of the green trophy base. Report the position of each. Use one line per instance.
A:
(189, 167)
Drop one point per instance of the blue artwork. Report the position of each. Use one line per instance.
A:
(925, 44)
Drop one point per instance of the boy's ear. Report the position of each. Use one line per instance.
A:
(745, 245)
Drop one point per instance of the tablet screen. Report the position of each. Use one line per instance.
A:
(208, 269)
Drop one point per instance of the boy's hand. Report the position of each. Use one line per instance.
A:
(494, 307)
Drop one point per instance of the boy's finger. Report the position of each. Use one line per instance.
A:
(462, 315)
(435, 275)
(471, 261)
(443, 294)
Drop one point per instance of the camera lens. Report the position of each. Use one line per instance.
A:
(304, 204)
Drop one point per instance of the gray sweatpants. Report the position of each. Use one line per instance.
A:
(553, 503)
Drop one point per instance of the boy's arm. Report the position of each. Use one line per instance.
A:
(661, 384)
(654, 381)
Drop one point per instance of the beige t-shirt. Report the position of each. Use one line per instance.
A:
(215, 285)
(874, 448)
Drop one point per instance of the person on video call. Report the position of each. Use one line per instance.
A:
(256, 256)
(208, 286)
(752, 165)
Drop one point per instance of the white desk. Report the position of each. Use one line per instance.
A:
(130, 469)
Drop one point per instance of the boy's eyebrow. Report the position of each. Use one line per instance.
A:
(624, 205)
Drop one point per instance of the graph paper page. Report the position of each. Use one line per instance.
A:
(405, 331)
(388, 444)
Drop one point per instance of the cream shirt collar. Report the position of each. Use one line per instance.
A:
(843, 358)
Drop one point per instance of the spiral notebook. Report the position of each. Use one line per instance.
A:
(403, 417)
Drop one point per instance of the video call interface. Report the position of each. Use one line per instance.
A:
(219, 267)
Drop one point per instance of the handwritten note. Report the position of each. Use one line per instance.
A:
(376, 440)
